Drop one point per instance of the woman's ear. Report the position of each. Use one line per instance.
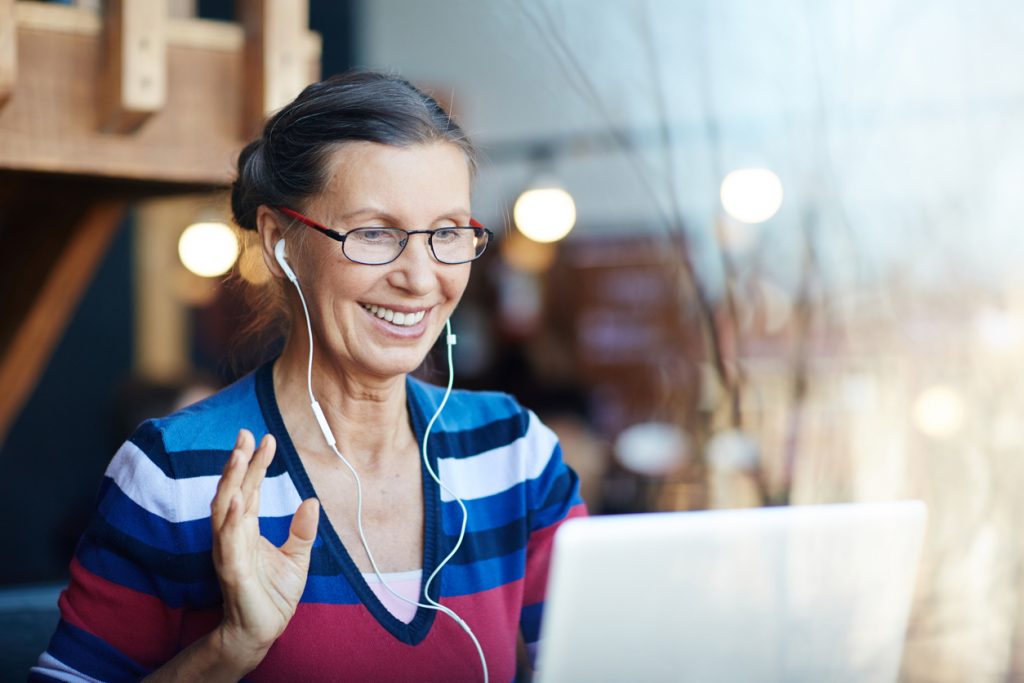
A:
(270, 225)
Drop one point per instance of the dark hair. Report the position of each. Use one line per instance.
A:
(288, 162)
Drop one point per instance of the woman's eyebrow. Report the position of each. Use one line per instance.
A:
(379, 213)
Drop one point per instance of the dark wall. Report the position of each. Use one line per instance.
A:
(56, 452)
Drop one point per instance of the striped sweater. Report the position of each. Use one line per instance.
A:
(143, 585)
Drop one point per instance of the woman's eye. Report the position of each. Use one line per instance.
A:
(372, 235)
(447, 234)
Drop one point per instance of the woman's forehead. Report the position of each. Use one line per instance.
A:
(367, 177)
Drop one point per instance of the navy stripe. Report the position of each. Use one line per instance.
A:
(116, 569)
(187, 464)
(484, 545)
(182, 567)
(470, 442)
(529, 621)
(91, 656)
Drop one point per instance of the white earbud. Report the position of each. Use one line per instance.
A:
(282, 260)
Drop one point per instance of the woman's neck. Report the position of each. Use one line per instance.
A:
(367, 415)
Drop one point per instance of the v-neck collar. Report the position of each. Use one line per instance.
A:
(417, 629)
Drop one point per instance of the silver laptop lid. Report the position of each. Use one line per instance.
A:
(805, 593)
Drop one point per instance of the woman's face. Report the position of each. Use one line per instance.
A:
(422, 186)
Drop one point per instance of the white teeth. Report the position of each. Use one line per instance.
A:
(395, 317)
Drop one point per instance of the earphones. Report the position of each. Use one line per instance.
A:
(282, 260)
(281, 256)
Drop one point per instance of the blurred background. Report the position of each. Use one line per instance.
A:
(750, 253)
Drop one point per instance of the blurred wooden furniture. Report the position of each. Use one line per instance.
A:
(98, 110)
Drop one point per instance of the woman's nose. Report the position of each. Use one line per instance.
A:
(416, 264)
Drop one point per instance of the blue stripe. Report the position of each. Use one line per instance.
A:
(529, 621)
(92, 656)
(465, 579)
(488, 512)
(330, 590)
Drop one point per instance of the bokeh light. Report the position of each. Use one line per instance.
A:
(545, 214)
(939, 412)
(751, 195)
(208, 249)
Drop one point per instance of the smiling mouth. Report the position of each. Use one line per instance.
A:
(395, 317)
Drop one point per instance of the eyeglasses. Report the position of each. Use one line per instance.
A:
(379, 246)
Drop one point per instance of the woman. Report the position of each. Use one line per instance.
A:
(214, 558)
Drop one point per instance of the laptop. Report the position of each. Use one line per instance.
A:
(796, 594)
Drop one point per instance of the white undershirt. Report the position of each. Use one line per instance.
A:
(406, 584)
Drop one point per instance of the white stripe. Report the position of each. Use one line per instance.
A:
(183, 500)
(54, 668)
(501, 468)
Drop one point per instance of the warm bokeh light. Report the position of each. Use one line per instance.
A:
(545, 214)
(751, 195)
(939, 412)
(208, 249)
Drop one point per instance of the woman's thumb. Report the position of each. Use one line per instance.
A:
(303, 529)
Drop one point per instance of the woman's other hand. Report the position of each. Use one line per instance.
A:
(261, 583)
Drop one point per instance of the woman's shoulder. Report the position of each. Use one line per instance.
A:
(467, 409)
(183, 443)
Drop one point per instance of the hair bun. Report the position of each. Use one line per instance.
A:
(248, 189)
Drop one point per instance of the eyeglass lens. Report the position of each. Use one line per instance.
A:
(383, 245)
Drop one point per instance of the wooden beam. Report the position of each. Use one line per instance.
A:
(51, 122)
(8, 50)
(134, 79)
(277, 56)
(38, 334)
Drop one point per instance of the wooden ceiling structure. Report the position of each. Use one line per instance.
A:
(99, 109)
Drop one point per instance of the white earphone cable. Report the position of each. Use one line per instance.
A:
(331, 441)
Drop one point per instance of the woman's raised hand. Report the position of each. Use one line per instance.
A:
(261, 583)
